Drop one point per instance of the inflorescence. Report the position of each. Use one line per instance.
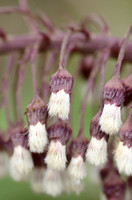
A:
(44, 151)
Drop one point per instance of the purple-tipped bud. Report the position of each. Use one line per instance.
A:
(78, 146)
(114, 186)
(36, 113)
(21, 162)
(59, 135)
(97, 149)
(18, 135)
(77, 166)
(61, 84)
(123, 153)
(114, 97)
(59, 132)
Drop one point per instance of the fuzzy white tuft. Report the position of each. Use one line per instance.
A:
(37, 138)
(59, 104)
(77, 168)
(110, 120)
(3, 163)
(52, 183)
(71, 184)
(36, 180)
(21, 164)
(97, 152)
(56, 156)
(123, 157)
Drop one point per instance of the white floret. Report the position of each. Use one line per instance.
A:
(59, 104)
(110, 120)
(123, 157)
(37, 138)
(36, 180)
(97, 152)
(21, 164)
(52, 183)
(56, 156)
(77, 168)
(71, 184)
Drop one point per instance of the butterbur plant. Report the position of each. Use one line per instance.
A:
(43, 148)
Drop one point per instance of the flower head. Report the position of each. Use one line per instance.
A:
(77, 167)
(36, 113)
(52, 183)
(61, 84)
(59, 135)
(114, 186)
(21, 162)
(36, 180)
(114, 96)
(123, 152)
(97, 149)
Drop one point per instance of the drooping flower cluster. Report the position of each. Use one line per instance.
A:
(52, 162)
(44, 153)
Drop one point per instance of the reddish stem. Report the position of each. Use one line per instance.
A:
(98, 20)
(103, 66)
(49, 64)
(122, 52)
(18, 92)
(5, 86)
(90, 86)
(19, 82)
(62, 61)
(33, 67)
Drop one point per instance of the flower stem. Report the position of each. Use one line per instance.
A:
(90, 86)
(103, 65)
(62, 60)
(5, 86)
(122, 52)
(33, 67)
(49, 64)
(19, 82)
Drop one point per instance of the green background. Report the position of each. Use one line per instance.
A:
(119, 16)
